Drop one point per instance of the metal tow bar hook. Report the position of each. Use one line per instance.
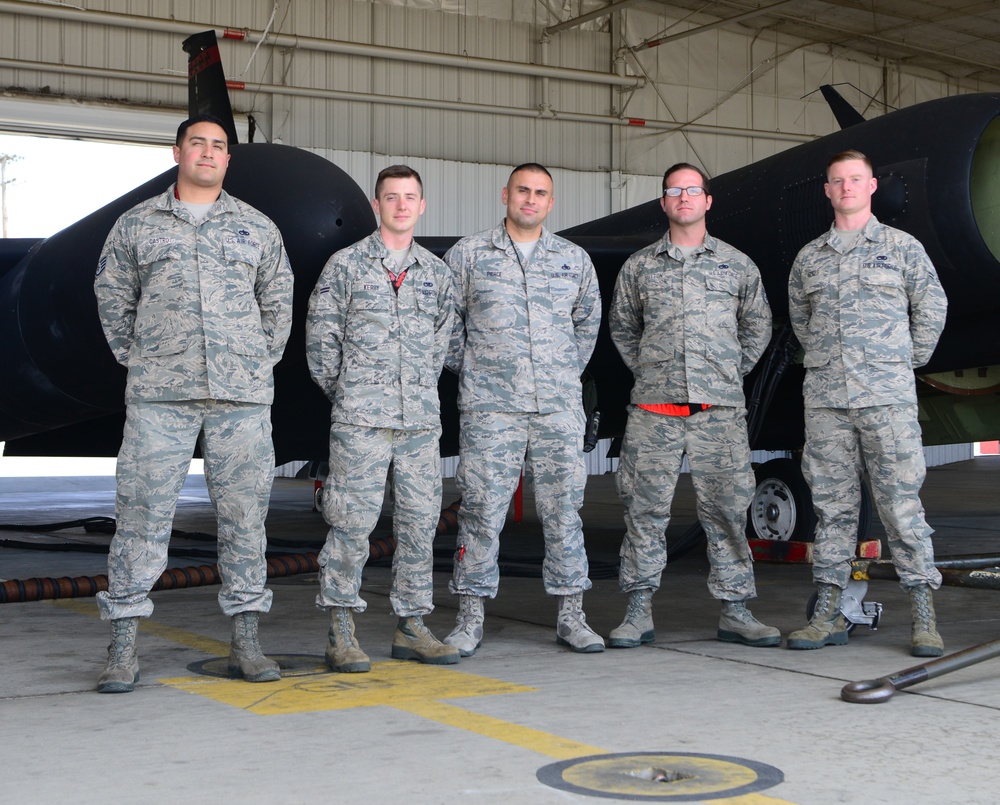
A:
(873, 691)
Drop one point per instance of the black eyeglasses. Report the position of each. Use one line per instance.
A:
(674, 192)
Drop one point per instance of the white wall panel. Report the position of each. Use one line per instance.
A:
(463, 198)
(947, 454)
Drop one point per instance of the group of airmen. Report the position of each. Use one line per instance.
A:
(194, 291)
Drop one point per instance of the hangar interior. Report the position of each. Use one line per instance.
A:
(605, 94)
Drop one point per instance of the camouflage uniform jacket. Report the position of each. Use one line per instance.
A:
(377, 354)
(865, 316)
(690, 329)
(523, 335)
(195, 311)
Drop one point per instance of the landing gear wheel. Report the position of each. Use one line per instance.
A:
(781, 507)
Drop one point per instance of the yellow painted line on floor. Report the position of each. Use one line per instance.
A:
(409, 687)
(388, 684)
(208, 645)
(543, 743)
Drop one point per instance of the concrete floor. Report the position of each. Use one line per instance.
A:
(731, 723)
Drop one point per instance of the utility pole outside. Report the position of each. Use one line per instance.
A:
(4, 181)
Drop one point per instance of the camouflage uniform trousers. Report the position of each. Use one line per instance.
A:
(840, 442)
(492, 448)
(157, 446)
(352, 501)
(715, 441)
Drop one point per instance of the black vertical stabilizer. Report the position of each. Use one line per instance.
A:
(207, 92)
(846, 114)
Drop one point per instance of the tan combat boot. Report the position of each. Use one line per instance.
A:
(738, 625)
(245, 657)
(122, 670)
(343, 653)
(924, 638)
(827, 626)
(414, 641)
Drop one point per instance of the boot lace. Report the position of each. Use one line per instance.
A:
(342, 623)
(635, 612)
(122, 642)
(922, 610)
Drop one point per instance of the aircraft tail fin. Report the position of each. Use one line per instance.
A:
(846, 114)
(207, 91)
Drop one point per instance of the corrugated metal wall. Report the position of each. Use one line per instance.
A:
(717, 78)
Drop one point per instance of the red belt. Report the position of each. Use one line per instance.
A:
(674, 409)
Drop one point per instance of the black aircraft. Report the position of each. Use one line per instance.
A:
(937, 165)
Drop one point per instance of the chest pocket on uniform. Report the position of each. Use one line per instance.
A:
(371, 314)
(886, 321)
(817, 340)
(725, 284)
(880, 285)
(564, 287)
(159, 318)
(241, 261)
(722, 292)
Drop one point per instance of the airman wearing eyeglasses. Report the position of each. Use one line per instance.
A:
(690, 319)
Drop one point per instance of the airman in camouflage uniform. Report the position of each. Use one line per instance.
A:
(194, 293)
(379, 323)
(867, 307)
(690, 319)
(528, 310)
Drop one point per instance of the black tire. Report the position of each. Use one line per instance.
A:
(865, 513)
(781, 508)
(687, 541)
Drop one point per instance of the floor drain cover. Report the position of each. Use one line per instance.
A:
(660, 777)
(290, 664)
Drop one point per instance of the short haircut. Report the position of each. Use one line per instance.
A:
(847, 156)
(183, 127)
(680, 166)
(397, 172)
(531, 167)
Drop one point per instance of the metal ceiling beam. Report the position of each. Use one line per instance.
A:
(591, 15)
(847, 33)
(316, 44)
(893, 42)
(663, 40)
(423, 103)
